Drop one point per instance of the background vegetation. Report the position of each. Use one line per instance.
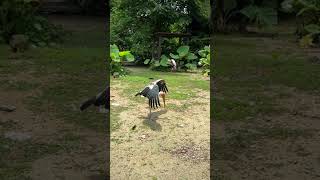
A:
(133, 25)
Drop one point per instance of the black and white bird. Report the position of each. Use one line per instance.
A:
(173, 65)
(101, 99)
(153, 91)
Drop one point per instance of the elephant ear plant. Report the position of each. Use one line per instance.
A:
(308, 18)
(185, 59)
(117, 59)
(160, 65)
(205, 60)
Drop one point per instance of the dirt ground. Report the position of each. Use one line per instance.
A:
(271, 145)
(291, 154)
(174, 144)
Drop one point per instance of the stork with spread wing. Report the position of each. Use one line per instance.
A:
(153, 91)
(102, 98)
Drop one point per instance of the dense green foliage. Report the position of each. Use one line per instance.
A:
(117, 58)
(133, 23)
(236, 15)
(20, 17)
(308, 13)
(205, 60)
(161, 65)
(184, 58)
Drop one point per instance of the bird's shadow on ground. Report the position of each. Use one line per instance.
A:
(153, 124)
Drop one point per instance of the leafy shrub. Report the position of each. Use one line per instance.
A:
(161, 65)
(308, 12)
(261, 16)
(205, 60)
(185, 59)
(262, 13)
(117, 59)
(133, 23)
(197, 43)
(20, 17)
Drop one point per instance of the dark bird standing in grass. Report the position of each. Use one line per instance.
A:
(153, 91)
(103, 98)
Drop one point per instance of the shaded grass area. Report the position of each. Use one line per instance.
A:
(246, 70)
(69, 75)
(18, 85)
(241, 140)
(245, 66)
(61, 78)
(16, 157)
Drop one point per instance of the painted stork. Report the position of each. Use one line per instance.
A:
(103, 98)
(173, 65)
(153, 91)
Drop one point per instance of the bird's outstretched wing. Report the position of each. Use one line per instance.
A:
(103, 98)
(152, 93)
(87, 103)
(162, 85)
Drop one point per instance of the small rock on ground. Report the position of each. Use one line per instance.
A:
(17, 136)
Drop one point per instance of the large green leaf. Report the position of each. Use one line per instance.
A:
(265, 16)
(308, 6)
(174, 56)
(313, 28)
(191, 66)
(164, 60)
(114, 49)
(287, 6)
(115, 57)
(191, 56)
(183, 51)
(129, 57)
(146, 61)
(156, 63)
(202, 53)
(207, 48)
(124, 53)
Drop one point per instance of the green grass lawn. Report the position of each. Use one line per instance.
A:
(57, 80)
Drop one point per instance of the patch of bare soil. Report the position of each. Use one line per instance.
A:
(174, 144)
(277, 146)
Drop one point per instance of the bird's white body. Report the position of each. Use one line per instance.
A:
(174, 64)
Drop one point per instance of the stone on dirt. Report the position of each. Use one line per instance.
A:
(17, 136)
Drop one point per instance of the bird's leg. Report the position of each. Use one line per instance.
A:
(149, 113)
(163, 96)
(164, 100)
